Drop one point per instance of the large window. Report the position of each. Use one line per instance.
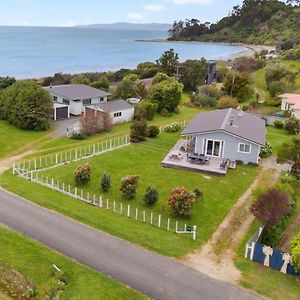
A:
(244, 148)
(86, 101)
(117, 114)
(54, 98)
(66, 101)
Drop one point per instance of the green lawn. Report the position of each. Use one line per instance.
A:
(277, 137)
(220, 194)
(266, 281)
(12, 139)
(34, 261)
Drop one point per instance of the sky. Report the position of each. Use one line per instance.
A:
(84, 12)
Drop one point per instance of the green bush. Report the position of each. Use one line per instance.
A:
(153, 131)
(292, 125)
(78, 135)
(203, 100)
(266, 151)
(295, 251)
(105, 182)
(227, 102)
(151, 196)
(138, 131)
(173, 127)
(83, 174)
(128, 186)
(198, 193)
(165, 113)
(278, 124)
(145, 110)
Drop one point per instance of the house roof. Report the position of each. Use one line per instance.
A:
(112, 106)
(232, 121)
(76, 91)
(293, 99)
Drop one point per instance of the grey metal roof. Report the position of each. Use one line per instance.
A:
(76, 91)
(113, 106)
(232, 121)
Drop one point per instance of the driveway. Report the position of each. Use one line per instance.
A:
(62, 126)
(154, 275)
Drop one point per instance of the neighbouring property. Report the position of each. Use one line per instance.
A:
(291, 103)
(119, 111)
(72, 99)
(216, 140)
(211, 76)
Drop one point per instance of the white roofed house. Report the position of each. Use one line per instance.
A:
(216, 140)
(76, 97)
(291, 103)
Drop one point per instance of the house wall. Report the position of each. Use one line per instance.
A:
(284, 105)
(127, 115)
(231, 147)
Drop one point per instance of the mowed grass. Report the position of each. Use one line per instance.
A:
(34, 261)
(277, 137)
(12, 138)
(266, 281)
(220, 194)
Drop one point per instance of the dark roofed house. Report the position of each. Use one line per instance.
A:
(216, 140)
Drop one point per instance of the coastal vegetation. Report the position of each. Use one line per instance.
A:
(262, 22)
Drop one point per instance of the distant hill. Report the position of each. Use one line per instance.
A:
(266, 22)
(130, 26)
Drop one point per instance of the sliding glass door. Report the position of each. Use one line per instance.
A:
(214, 148)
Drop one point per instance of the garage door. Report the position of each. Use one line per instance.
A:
(61, 113)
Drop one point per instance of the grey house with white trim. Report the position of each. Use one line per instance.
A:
(76, 97)
(227, 134)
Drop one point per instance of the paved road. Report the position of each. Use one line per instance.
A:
(152, 274)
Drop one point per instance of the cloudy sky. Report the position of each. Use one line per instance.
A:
(74, 12)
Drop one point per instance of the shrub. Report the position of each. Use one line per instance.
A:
(105, 182)
(164, 112)
(210, 90)
(266, 151)
(83, 174)
(203, 100)
(151, 196)
(276, 87)
(278, 124)
(295, 251)
(292, 125)
(173, 127)
(145, 110)
(128, 186)
(138, 131)
(181, 201)
(78, 135)
(153, 131)
(271, 207)
(227, 102)
(198, 193)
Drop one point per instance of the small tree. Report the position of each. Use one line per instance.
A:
(181, 201)
(151, 196)
(83, 174)
(295, 251)
(292, 125)
(168, 62)
(128, 186)
(271, 207)
(105, 182)
(138, 131)
(227, 102)
(153, 131)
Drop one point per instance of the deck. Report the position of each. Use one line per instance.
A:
(182, 163)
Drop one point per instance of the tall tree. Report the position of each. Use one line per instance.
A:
(168, 62)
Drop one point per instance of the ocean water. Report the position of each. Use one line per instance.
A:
(27, 52)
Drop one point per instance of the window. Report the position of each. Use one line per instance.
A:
(244, 148)
(101, 99)
(117, 114)
(55, 98)
(66, 101)
(86, 101)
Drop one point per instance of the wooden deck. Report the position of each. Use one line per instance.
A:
(213, 167)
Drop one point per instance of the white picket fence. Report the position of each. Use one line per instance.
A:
(65, 157)
(98, 201)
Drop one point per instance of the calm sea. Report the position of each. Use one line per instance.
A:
(27, 52)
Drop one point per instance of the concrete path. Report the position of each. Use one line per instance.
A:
(152, 274)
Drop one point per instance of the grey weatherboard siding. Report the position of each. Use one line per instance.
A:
(231, 146)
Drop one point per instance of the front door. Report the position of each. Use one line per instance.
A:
(213, 148)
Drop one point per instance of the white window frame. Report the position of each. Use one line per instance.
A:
(245, 152)
(118, 114)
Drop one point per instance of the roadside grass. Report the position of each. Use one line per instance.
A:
(266, 281)
(277, 137)
(12, 138)
(220, 194)
(64, 143)
(34, 261)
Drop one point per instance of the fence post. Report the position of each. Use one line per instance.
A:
(81, 194)
(100, 202)
(144, 216)
(168, 225)
(107, 204)
(159, 220)
(94, 200)
(194, 232)
(252, 250)
(94, 149)
(121, 208)
(114, 206)
(128, 211)
(176, 227)
(14, 169)
(151, 218)
(69, 189)
(185, 226)
(76, 192)
(52, 182)
(63, 187)
(136, 213)
(35, 163)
